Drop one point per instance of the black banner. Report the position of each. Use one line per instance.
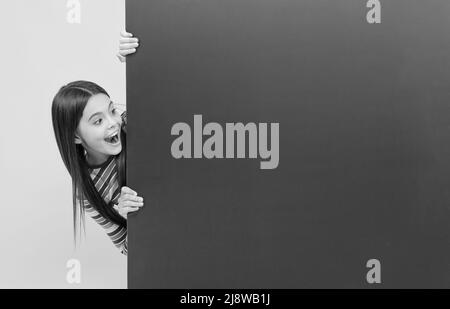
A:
(289, 144)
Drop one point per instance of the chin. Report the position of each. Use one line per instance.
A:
(112, 151)
(119, 150)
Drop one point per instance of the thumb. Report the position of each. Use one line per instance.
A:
(126, 34)
(121, 58)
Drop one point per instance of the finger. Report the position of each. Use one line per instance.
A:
(126, 34)
(127, 52)
(126, 210)
(128, 46)
(132, 209)
(129, 40)
(126, 190)
(130, 197)
(133, 198)
(132, 204)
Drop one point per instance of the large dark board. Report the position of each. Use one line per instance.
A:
(364, 170)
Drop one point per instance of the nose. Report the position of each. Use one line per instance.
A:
(113, 122)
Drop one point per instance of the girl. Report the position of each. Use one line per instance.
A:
(91, 137)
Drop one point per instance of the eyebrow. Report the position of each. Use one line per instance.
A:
(95, 114)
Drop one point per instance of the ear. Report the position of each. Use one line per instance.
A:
(77, 139)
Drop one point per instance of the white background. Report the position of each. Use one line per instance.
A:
(40, 52)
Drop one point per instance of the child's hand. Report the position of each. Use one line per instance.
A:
(127, 45)
(129, 201)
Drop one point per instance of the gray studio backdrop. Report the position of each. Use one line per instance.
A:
(364, 143)
(43, 47)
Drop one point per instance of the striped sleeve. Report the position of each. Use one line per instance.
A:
(116, 233)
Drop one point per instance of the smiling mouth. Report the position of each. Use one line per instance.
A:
(114, 139)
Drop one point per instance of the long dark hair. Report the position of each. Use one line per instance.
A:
(67, 110)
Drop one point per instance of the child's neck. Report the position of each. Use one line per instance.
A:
(94, 160)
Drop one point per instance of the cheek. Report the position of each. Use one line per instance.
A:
(93, 136)
(98, 136)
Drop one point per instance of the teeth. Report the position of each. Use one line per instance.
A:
(112, 139)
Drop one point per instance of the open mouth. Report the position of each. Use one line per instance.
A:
(114, 139)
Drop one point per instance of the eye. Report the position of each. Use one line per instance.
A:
(114, 110)
(98, 121)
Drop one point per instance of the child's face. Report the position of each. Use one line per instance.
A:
(100, 121)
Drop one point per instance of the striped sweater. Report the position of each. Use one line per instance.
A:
(105, 178)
